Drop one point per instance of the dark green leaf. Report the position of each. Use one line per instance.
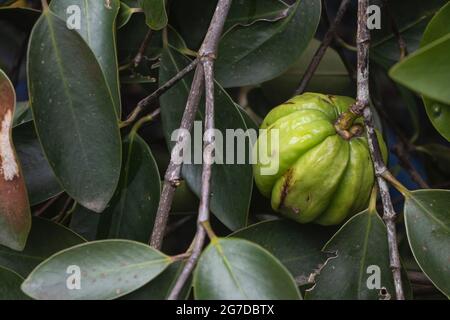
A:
(297, 246)
(236, 269)
(155, 13)
(97, 27)
(108, 269)
(74, 119)
(160, 287)
(85, 222)
(427, 71)
(427, 219)
(15, 217)
(10, 285)
(131, 213)
(440, 155)
(125, 14)
(411, 21)
(45, 239)
(251, 55)
(192, 17)
(39, 178)
(361, 244)
(438, 112)
(231, 183)
(246, 12)
(330, 77)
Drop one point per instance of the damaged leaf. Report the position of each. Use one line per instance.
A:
(15, 217)
(297, 246)
(361, 268)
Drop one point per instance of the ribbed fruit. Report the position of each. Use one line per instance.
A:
(322, 177)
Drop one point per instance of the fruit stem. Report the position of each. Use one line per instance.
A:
(397, 184)
(344, 123)
(373, 199)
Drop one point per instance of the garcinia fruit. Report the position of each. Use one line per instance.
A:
(312, 172)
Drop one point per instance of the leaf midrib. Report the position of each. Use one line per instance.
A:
(60, 68)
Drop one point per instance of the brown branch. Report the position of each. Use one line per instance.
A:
(140, 54)
(173, 172)
(314, 64)
(147, 101)
(361, 107)
(46, 205)
(207, 52)
(203, 211)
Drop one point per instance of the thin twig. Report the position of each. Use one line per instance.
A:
(361, 107)
(46, 205)
(403, 147)
(58, 218)
(404, 161)
(207, 52)
(314, 64)
(140, 54)
(395, 30)
(203, 211)
(173, 172)
(147, 101)
(339, 48)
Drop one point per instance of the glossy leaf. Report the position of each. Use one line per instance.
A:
(251, 55)
(15, 217)
(45, 239)
(155, 13)
(74, 119)
(98, 29)
(40, 180)
(297, 246)
(231, 183)
(192, 18)
(247, 12)
(330, 77)
(10, 285)
(438, 112)
(236, 269)
(362, 257)
(108, 269)
(427, 71)
(131, 213)
(160, 287)
(411, 21)
(427, 219)
(125, 14)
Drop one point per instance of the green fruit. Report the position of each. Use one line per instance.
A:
(323, 176)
